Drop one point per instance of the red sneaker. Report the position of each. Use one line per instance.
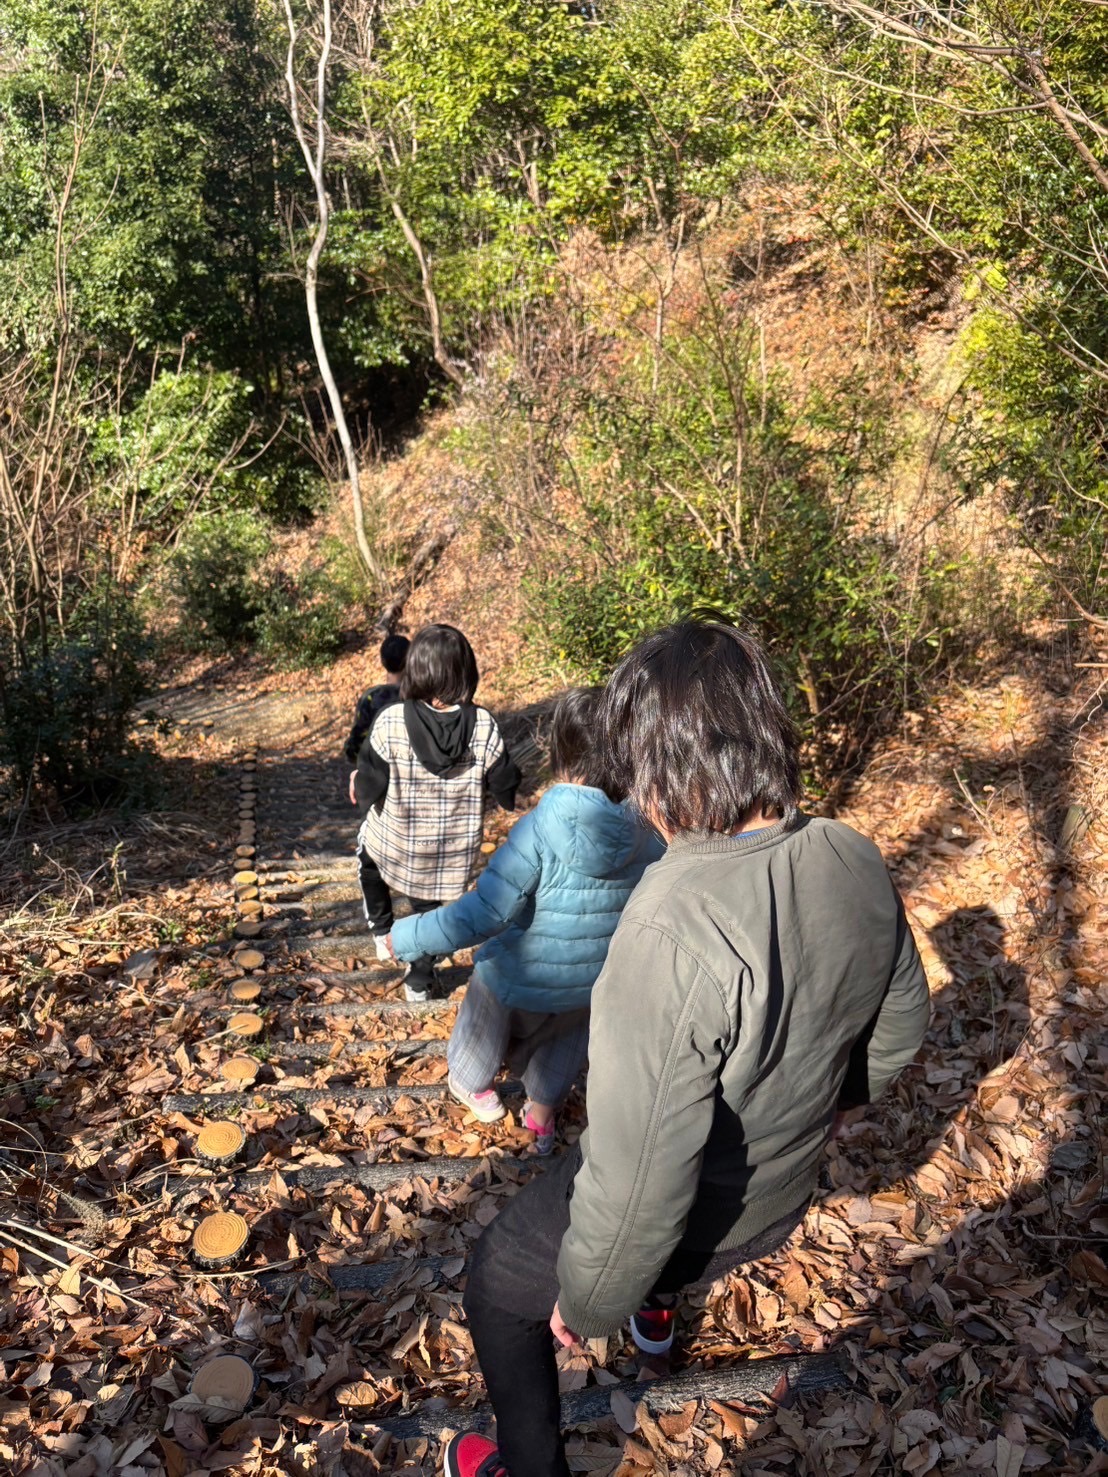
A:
(470, 1455)
(652, 1330)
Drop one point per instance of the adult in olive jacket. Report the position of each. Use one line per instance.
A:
(762, 979)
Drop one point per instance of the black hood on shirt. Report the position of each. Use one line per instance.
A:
(440, 740)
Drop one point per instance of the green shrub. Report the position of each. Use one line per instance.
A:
(199, 439)
(66, 712)
(215, 572)
(300, 618)
(698, 480)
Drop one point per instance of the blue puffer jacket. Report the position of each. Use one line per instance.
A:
(551, 895)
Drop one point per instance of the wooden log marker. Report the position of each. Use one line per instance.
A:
(241, 1070)
(225, 1386)
(246, 894)
(247, 928)
(771, 1379)
(1099, 1415)
(245, 853)
(379, 1177)
(342, 1094)
(245, 990)
(250, 907)
(245, 879)
(219, 1238)
(219, 1142)
(246, 1023)
(250, 959)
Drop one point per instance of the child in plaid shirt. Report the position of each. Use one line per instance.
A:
(422, 775)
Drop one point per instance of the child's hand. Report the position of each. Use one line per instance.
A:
(353, 796)
(392, 951)
(558, 1328)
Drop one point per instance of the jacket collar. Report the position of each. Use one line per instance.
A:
(713, 843)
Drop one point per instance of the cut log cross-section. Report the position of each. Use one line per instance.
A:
(219, 1238)
(240, 1070)
(246, 1023)
(218, 1142)
(224, 1386)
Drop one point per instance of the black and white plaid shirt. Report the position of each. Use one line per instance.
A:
(425, 835)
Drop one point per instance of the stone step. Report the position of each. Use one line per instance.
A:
(339, 890)
(316, 1177)
(311, 864)
(327, 1051)
(379, 1007)
(773, 1379)
(343, 1278)
(340, 946)
(258, 1099)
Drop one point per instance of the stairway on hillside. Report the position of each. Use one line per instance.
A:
(349, 1119)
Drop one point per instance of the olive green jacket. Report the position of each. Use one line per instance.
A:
(754, 985)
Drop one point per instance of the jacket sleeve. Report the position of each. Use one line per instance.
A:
(895, 1034)
(371, 780)
(650, 1114)
(363, 722)
(502, 892)
(504, 780)
(502, 774)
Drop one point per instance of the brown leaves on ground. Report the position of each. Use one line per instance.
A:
(956, 1255)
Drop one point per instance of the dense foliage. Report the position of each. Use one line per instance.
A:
(155, 358)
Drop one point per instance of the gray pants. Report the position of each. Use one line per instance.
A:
(547, 1050)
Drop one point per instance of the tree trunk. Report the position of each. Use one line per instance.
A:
(315, 160)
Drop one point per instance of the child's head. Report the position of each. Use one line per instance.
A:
(440, 668)
(571, 740)
(697, 731)
(394, 653)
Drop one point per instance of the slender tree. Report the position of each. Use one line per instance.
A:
(315, 158)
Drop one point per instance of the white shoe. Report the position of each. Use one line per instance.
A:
(381, 944)
(414, 994)
(485, 1106)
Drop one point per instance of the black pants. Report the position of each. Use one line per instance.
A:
(377, 905)
(510, 1294)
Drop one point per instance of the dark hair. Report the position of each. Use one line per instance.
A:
(394, 653)
(440, 667)
(697, 731)
(572, 740)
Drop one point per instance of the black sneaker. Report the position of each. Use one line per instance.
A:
(652, 1330)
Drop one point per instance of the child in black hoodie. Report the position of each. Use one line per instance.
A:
(421, 780)
(394, 653)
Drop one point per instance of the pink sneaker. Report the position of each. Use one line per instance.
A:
(544, 1133)
(485, 1106)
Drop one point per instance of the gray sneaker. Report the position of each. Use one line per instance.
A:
(485, 1106)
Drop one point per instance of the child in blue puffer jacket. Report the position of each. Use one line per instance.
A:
(548, 903)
